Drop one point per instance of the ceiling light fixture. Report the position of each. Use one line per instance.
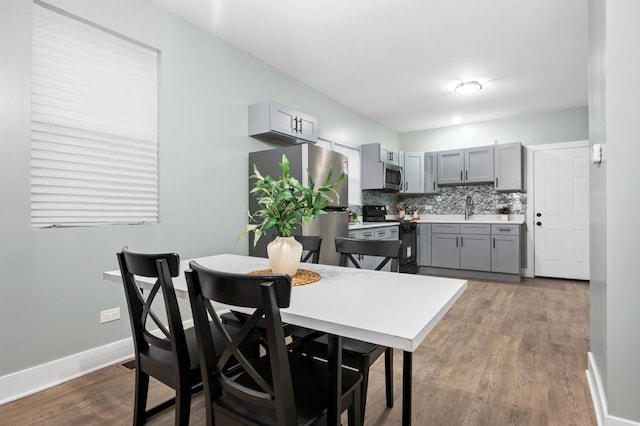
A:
(468, 87)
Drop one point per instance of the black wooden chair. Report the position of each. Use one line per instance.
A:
(171, 358)
(355, 353)
(311, 245)
(282, 388)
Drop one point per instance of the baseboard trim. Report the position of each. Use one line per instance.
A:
(599, 399)
(35, 379)
(22, 383)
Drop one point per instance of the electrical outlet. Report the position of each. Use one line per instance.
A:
(109, 315)
(428, 208)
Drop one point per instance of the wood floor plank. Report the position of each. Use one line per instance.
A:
(505, 354)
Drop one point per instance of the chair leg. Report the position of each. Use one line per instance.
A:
(355, 414)
(388, 375)
(183, 405)
(363, 368)
(140, 398)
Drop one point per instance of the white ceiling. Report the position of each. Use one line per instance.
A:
(396, 61)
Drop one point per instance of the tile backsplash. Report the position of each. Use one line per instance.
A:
(451, 200)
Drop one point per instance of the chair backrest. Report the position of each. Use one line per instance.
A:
(267, 294)
(388, 249)
(142, 316)
(311, 245)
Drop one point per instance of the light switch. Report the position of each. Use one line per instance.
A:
(596, 153)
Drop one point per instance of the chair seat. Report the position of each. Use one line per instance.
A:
(311, 401)
(165, 357)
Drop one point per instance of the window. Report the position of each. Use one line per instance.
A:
(94, 125)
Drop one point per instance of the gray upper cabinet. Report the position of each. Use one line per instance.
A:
(431, 173)
(471, 165)
(478, 163)
(412, 171)
(508, 167)
(389, 155)
(275, 122)
(450, 167)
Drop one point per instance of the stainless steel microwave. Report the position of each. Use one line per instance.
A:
(392, 177)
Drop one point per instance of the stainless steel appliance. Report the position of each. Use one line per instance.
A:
(317, 160)
(407, 233)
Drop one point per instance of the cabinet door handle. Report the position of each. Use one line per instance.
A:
(300, 121)
(494, 242)
(466, 174)
(456, 241)
(461, 241)
(434, 185)
(406, 185)
(497, 182)
(460, 175)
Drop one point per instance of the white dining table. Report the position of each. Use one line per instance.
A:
(384, 308)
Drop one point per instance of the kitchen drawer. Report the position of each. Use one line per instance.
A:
(505, 229)
(367, 234)
(445, 228)
(394, 233)
(475, 228)
(381, 233)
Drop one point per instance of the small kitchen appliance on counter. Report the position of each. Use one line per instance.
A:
(408, 234)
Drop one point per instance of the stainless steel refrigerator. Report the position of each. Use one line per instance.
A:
(318, 161)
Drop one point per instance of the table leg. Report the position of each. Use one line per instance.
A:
(335, 379)
(407, 368)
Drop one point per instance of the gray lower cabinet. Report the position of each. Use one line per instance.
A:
(445, 250)
(445, 245)
(424, 244)
(505, 249)
(475, 252)
(461, 246)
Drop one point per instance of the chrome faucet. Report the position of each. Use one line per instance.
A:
(468, 207)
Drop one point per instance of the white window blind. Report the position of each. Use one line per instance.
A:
(94, 138)
(355, 183)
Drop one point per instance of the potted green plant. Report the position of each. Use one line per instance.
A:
(504, 212)
(286, 204)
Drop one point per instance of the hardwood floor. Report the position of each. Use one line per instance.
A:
(505, 354)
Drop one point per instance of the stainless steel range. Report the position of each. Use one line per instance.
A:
(408, 234)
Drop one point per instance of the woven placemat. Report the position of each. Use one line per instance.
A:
(302, 277)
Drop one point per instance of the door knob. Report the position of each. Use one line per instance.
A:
(539, 223)
(538, 214)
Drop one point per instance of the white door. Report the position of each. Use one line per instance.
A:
(561, 213)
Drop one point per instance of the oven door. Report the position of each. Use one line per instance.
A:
(409, 256)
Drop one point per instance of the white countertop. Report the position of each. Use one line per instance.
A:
(514, 219)
(365, 225)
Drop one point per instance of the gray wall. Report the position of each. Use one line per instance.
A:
(52, 290)
(533, 129)
(615, 200)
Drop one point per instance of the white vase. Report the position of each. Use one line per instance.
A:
(504, 217)
(284, 255)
